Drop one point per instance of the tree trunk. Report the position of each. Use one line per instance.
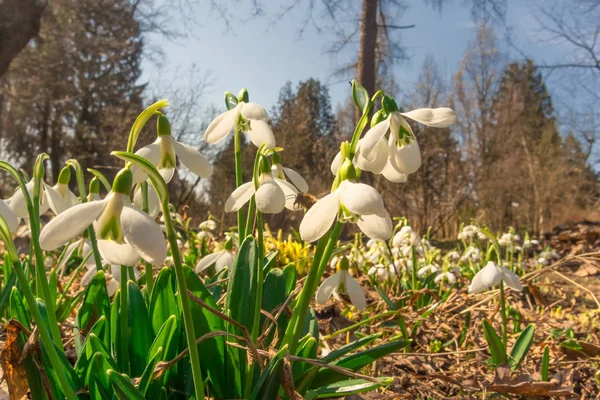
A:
(19, 23)
(366, 65)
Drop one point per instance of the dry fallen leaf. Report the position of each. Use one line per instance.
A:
(10, 358)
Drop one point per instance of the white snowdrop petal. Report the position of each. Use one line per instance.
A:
(511, 279)
(335, 164)
(355, 292)
(320, 217)
(67, 254)
(87, 277)
(254, 111)
(112, 286)
(153, 200)
(208, 260)
(239, 197)
(144, 234)
(118, 254)
(434, 117)
(290, 193)
(260, 132)
(376, 226)
(193, 159)
(270, 198)
(296, 179)
(406, 159)
(373, 136)
(9, 216)
(17, 201)
(150, 153)
(391, 174)
(70, 223)
(223, 124)
(376, 161)
(491, 275)
(225, 261)
(327, 287)
(55, 200)
(362, 199)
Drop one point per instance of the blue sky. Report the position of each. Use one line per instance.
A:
(262, 55)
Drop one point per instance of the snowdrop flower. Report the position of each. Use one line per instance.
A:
(401, 148)
(342, 281)
(428, 270)
(350, 201)
(247, 117)
(509, 239)
(471, 254)
(271, 196)
(67, 197)
(208, 225)
(469, 232)
(404, 237)
(453, 255)
(530, 243)
(491, 275)
(163, 152)
(124, 231)
(9, 216)
(288, 174)
(221, 259)
(447, 277)
(383, 272)
(48, 197)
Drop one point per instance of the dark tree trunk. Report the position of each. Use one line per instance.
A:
(366, 64)
(19, 23)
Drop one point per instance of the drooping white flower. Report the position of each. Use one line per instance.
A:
(453, 255)
(208, 225)
(471, 254)
(248, 117)
(9, 216)
(163, 153)
(428, 270)
(401, 148)
(445, 277)
(221, 259)
(469, 232)
(350, 202)
(405, 237)
(124, 231)
(272, 195)
(342, 282)
(19, 205)
(491, 275)
(383, 272)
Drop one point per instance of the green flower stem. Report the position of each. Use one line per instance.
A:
(149, 272)
(324, 249)
(237, 149)
(123, 323)
(161, 188)
(250, 219)
(185, 302)
(83, 196)
(414, 282)
(44, 334)
(503, 314)
(33, 209)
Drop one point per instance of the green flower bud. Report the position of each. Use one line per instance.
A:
(360, 95)
(378, 117)
(389, 104)
(243, 96)
(94, 185)
(230, 100)
(347, 171)
(344, 263)
(265, 166)
(163, 127)
(65, 176)
(345, 150)
(229, 244)
(276, 158)
(123, 181)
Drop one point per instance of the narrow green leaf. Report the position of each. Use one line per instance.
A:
(163, 302)
(495, 345)
(101, 178)
(545, 364)
(270, 261)
(306, 349)
(289, 271)
(353, 362)
(267, 386)
(346, 388)
(95, 303)
(140, 330)
(147, 375)
(386, 299)
(166, 340)
(521, 347)
(124, 389)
